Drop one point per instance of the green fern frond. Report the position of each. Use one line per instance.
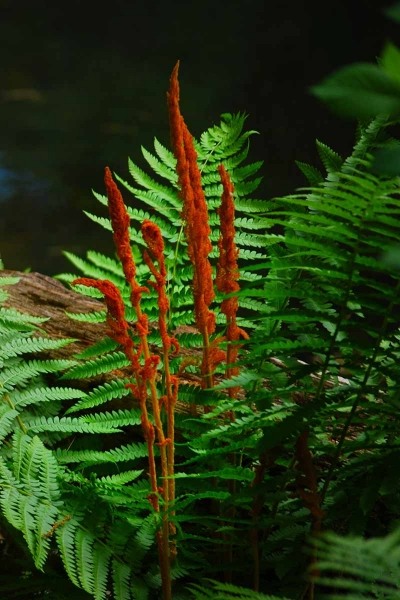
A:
(101, 347)
(165, 155)
(224, 591)
(122, 454)
(120, 478)
(311, 173)
(110, 265)
(19, 374)
(97, 423)
(104, 271)
(115, 389)
(163, 192)
(160, 167)
(26, 345)
(10, 315)
(7, 418)
(35, 395)
(330, 159)
(98, 316)
(357, 566)
(102, 364)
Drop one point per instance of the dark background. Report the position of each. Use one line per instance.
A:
(83, 86)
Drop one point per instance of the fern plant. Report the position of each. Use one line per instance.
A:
(250, 379)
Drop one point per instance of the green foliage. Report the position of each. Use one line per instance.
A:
(352, 567)
(224, 591)
(363, 90)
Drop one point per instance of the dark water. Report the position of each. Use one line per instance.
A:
(83, 87)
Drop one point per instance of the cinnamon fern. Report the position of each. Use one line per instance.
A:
(217, 471)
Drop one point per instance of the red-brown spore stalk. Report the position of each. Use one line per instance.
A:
(195, 216)
(228, 272)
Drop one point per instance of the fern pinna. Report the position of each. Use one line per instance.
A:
(249, 384)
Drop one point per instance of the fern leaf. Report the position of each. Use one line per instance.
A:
(45, 394)
(122, 454)
(120, 479)
(160, 167)
(84, 560)
(7, 416)
(92, 317)
(26, 345)
(226, 591)
(102, 394)
(165, 155)
(66, 536)
(101, 364)
(106, 344)
(18, 375)
(121, 576)
(163, 192)
(75, 425)
(312, 174)
(101, 562)
(13, 315)
(330, 159)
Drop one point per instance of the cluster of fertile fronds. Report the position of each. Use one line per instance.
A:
(143, 362)
(197, 229)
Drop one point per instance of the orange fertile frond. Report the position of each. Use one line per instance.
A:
(116, 320)
(120, 224)
(155, 244)
(195, 213)
(152, 236)
(227, 268)
(175, 117)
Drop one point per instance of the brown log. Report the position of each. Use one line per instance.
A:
(43, 296)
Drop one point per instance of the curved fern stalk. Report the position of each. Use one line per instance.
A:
(155, 254)
(144, 375)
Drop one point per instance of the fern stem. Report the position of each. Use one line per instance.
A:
(161, 442)
(20, 422)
